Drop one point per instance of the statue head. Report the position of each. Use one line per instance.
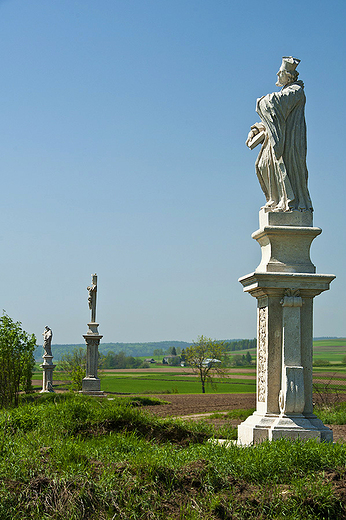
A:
(94, 279)
(287, 72)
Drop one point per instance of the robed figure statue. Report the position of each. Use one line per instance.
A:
(47, 340)
(281, 163)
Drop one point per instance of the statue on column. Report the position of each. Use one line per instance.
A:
(281, 163)
(47, 365)
(91, 384)
(92, 290)
(47, 341)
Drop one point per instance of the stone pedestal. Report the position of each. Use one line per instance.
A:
(284, 285)
(91, 384)
(48, 367)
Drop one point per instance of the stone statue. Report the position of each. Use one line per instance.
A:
(47, 341)
(281, 163)
(92, 289)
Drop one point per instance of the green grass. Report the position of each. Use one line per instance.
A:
(332, 414)
(75, 458)
(339, 342)
(333, 350)
(164, 383)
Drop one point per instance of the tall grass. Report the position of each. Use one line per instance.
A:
(332, 414)
(78, 458)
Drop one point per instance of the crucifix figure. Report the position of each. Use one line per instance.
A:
(92, 289)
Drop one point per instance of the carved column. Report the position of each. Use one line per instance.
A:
(292, 395)
(284, 285)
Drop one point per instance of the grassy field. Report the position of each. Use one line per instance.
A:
(160, 380)
(333, 350)
(171, 383)
(69, 457)
(155, 381)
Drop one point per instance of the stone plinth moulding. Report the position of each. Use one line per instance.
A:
(284, 285)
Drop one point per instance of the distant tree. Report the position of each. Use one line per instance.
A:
(237, 360)
(74, 364)
(183, 356)
(119, 360)
(248, 358)
(174, 351)
(200, 357)
(158, 352)
(241, 344)
(174, 361)
(16, 361)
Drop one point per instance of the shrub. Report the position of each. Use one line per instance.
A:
(16, 361)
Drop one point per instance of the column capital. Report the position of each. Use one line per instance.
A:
(275, 284)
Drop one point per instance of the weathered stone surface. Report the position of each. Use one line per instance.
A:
(281, 163)
(284, 285)
(285, 240)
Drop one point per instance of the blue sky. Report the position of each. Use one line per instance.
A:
(123, 125)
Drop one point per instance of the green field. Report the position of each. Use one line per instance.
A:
(171, 383)
(180, 380)
(333, 350)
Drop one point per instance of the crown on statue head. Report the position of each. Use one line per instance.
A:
(289, 64)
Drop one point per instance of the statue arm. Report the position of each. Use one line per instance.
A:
(255, 129)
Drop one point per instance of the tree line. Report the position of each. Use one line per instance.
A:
(155, 348)
(240, 344)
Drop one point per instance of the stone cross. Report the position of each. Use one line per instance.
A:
(91, 384)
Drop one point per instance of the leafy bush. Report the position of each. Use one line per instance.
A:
(16, 361)
(74, 364)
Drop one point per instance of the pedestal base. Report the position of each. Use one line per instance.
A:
(91, 385)
(284, 284)
(48, 368)
(270, 427)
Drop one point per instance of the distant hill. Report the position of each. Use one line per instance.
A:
(135, 349)
(130, 349)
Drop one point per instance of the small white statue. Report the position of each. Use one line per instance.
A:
(47, 341)
(281, 163)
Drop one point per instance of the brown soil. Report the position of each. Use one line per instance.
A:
(182, 404)
(199, 406)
